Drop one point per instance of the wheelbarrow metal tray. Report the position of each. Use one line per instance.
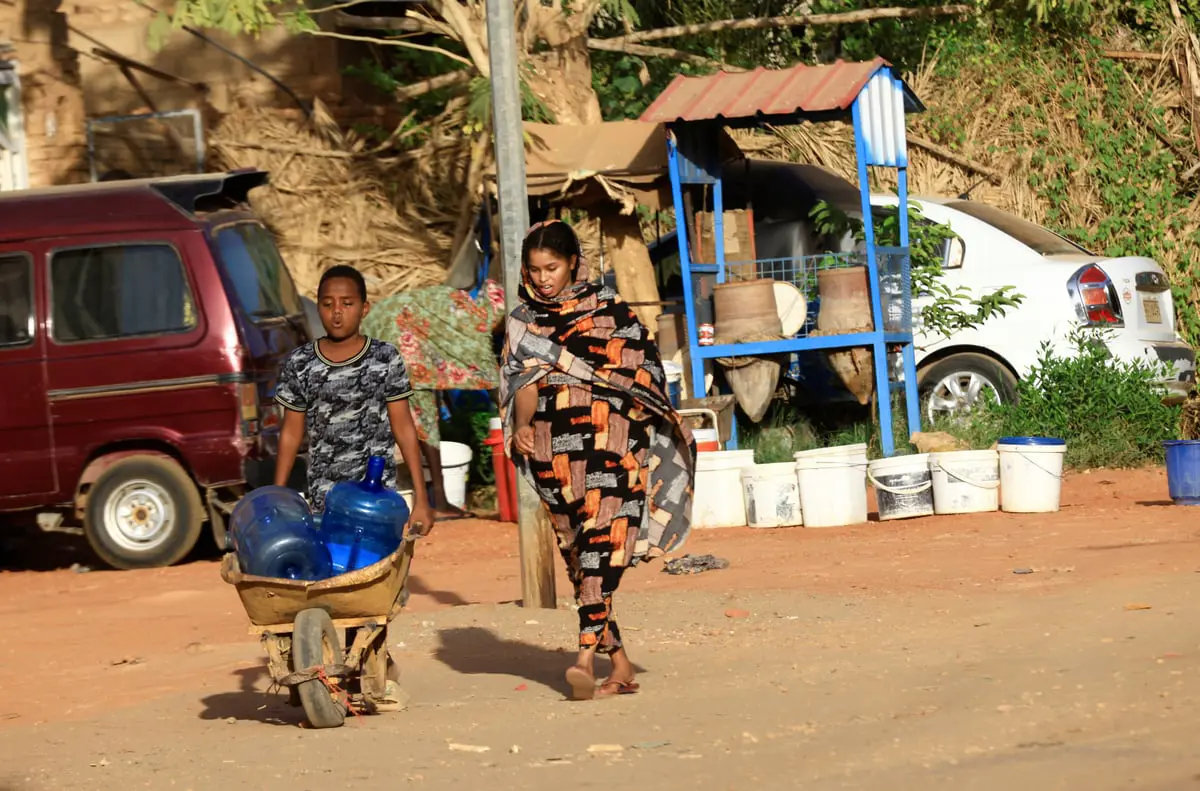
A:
(373, 592)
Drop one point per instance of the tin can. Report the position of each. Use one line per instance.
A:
(706, 333)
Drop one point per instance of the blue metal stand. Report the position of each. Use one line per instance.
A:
(878, 116)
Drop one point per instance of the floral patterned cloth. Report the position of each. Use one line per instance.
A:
(445, 338)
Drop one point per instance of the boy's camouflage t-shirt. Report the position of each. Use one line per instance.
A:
(345, 408)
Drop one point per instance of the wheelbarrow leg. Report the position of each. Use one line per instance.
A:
(381, 677)
(279, 664)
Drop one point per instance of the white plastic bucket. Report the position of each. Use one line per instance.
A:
(833, 485)
(772, 495)
(903, 486)
(965, 481)
(718, 501)
(456, 463)
(1031, 474)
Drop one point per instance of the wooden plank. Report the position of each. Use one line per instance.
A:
(362, 639)
(536, 540)
(637, 282)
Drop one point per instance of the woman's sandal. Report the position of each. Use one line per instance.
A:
(583, 683)
(610, 687)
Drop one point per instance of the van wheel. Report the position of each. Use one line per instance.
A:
(952, 387)
(143, 512)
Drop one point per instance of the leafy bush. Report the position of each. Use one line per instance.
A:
(1109, 411)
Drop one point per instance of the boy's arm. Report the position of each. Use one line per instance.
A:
(405, 433)
(396, 391)
(289, 394)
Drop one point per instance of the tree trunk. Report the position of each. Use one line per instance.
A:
(562, 79)
(629, 258)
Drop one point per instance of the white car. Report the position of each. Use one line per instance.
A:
(1064, 287)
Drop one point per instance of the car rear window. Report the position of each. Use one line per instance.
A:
(260, 277)
(1029, 234)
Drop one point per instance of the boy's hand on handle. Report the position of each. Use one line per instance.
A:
(523, 440)
(420, 521)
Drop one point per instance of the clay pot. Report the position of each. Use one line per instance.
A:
(745, 309)
(845, 300)
(753, 381)
(845, 309)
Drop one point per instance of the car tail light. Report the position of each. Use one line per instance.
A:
(1095, 297)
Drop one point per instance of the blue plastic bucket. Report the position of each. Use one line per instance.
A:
(1042, 442)
(1183, 471)
(674, 387)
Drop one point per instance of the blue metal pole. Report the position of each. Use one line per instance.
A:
(685, 266)
(912, 400)
(719, 228)
(883, 394)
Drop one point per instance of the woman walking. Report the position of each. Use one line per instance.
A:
(586, 416)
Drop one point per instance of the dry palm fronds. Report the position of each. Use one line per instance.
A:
(327, 203)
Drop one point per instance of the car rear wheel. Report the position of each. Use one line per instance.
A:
(954, 386)
(143, 512)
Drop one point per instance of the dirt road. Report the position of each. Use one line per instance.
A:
(884, 656)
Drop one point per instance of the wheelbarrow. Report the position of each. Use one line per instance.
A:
(299, 624)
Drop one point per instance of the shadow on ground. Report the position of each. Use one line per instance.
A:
(418, 587)
(252, 702)
(477, 651)
(24, 546)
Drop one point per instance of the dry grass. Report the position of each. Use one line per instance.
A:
(327, 204)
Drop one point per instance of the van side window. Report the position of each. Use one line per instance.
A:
(119, 291)
(16, 301)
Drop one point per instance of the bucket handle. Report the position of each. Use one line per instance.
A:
(1026, 457)
(958, 477)
(899, 490)
(838, 463)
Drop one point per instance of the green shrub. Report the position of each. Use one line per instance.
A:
(1109, 411)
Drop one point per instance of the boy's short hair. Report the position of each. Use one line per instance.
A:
(348, 272)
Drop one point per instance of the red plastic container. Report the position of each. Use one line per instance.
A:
(506, 473)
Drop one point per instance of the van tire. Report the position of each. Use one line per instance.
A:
(147, 500)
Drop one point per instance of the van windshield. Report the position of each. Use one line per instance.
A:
(261, 279)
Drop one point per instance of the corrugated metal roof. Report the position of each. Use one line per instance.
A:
(767, 92)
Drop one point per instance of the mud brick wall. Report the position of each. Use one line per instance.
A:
(51, 93)
(63, 83)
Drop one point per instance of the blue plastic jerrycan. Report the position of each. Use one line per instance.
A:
(273, 535)
(363, 520)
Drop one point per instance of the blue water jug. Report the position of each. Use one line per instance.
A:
(273, 535)
(363, 520)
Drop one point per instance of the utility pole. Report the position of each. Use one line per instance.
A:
(537, 550)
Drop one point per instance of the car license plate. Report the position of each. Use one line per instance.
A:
(1152, 310)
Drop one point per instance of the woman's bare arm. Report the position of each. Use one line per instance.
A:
(525, 405)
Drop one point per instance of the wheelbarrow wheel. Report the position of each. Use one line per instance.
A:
(315, 644)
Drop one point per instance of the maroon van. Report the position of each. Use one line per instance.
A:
(141, 327)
